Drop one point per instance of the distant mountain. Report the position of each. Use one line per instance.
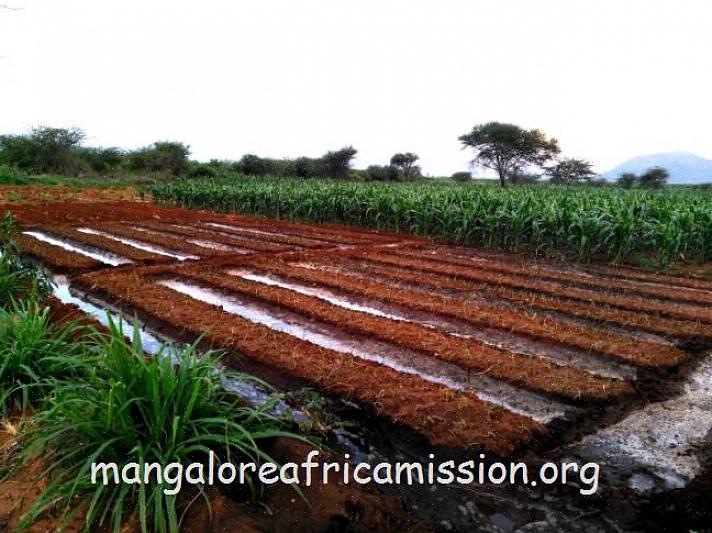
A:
(683, 167)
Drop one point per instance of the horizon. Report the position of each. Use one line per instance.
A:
(282, 80)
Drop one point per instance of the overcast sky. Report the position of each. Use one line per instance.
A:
(610, 79)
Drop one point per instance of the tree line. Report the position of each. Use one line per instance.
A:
(517, 155)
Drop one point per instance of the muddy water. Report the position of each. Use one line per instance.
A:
(139, 245)
(321, 293)
(104, 257)
(249, 389)
(665, 444)
(541, 409)
(151, 343)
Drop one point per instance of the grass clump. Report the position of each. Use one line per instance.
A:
(19, 279)
(34, 353)
(144, 410)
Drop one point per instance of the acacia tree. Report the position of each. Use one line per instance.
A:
(406, 163)
(337, 164)
(571, 170)
(506, 147)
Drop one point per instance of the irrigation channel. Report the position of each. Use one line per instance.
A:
(410, 348)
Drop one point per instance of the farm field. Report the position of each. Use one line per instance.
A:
(443, 347)
(652, 227)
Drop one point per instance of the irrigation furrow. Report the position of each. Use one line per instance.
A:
(80, 248)
(537, 271)
(101, 242)
(443, 416)
(508, 341)
(319, 233)
(51, 255)
(637, 352)
(535, 373)
(252, 245)
(172, 245)
(667, 327)
(272, 237)
(662, 308)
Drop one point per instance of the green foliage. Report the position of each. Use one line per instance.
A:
(161, 157)
(462, 177)
(337, 164)
(101, 160)
(406, 163)
(654, 178)
(144, 410)
(570, 170)
(19, 278)
(382, 173)
(43, 150)
(34, 353)
(505, 148)
(198, 170)
(580, 222)
(627, 180)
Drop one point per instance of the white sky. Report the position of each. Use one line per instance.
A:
(610, 79)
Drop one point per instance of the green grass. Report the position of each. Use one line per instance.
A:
(34, 353)
(574, 222)
(143, 410)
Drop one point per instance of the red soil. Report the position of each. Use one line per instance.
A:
(568, 278)
(627, 349)
(669, 327)
(666, 308)
(535, 373)
(445, 417)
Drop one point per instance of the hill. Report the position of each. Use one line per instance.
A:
(684, 167)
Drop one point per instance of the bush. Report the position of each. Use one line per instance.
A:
(461, 177)
(142, 410)
(101, 160)
(201, 171)
(382, 173)
(43, 150)
(164, 157)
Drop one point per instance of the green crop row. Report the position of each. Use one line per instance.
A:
(578, 222)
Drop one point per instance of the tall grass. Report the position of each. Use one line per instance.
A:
(577, 222)
(144, 410)
(34, 353)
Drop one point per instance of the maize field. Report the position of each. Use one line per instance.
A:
(575, 222)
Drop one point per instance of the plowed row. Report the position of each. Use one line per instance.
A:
(516, 325)
(445, 417)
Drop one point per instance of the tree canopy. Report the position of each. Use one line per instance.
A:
(507, 147)
(571, 170)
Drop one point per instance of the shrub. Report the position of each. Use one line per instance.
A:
(101, 160)
(43, 150)
(165, 157)
(382, 173)
(201, 171)
(461, 176)
(135, 409)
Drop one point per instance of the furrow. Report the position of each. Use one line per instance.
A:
(443, 416)
(589, 339)
(535, 373)
(683, 311)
